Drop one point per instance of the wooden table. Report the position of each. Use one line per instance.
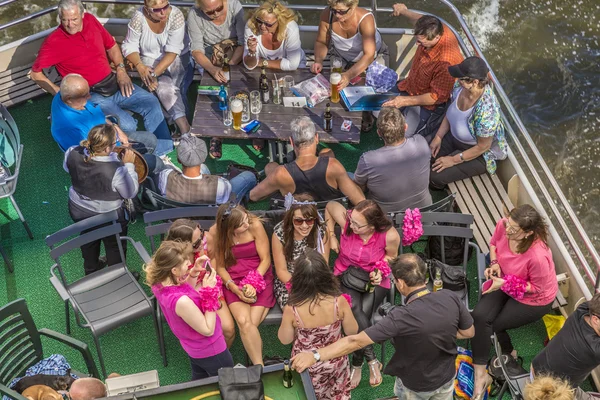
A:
(275, 118)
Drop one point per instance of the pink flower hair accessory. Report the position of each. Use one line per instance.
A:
(348, 299)
(209, 299)
(514, 286)
(254, 279)
(412, 227)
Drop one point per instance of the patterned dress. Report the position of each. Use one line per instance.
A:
(331, 379)
(281, 293)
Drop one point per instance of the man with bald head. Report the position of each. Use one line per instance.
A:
(81, 45)
(73, 115)
(87, 389)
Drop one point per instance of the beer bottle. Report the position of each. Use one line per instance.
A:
(264, 90)
(226, 69)
(437, 282)
(222, 98)
(288, 378)
(263, 72)
(370, 287)
(327, 119)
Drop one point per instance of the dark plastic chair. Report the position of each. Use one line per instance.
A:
(514, 383)
(106, 299)
(443, 205)
(21, 345)
(158, 202)
(278, 204)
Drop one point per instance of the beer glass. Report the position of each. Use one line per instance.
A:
(255, 103)
(288, 81)
(336, 64)
(246, 109)
(335, 79)
(237, 107)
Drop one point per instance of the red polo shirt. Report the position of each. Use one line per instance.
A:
(83, 53)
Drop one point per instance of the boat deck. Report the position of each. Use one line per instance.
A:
(42, 194)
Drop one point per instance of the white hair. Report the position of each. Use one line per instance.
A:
(67, 5)
(303, 131)
(71, 90)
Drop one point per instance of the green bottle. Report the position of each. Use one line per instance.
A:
(288, 378)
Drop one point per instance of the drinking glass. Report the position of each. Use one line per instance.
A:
(276, 92)
(246, 111)
(288, 81)
(237, 108)
(335, 79)
(255, 103)
(227, 117)
(336, 64)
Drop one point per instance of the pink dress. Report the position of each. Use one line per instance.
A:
(534, 266)
(354, 252)
(331, 379)
(248, 260)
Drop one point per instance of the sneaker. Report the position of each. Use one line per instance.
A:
(167, 161)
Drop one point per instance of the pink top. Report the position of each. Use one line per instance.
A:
(194, 344)
(534, 266)
(354, 252)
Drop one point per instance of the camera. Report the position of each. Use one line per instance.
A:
(385, 308)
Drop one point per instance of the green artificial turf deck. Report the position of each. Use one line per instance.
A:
(42, 196)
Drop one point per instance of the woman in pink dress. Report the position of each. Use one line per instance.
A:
(523, 286)
(314, 316)
(367, 242)
(239, 249)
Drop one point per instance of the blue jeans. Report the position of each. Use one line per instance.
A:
(143, 103)
(242, 184)
(144, 142)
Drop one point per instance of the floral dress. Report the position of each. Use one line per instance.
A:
(331, 379)
(281, 293)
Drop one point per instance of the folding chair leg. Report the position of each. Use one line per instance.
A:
(100, 358)
(67, 317)
(9, 265)
(502, 390)
(14, 203)
(160, 336)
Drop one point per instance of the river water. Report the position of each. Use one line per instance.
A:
(544, 52)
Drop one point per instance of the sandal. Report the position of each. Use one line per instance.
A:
(375, 367)
(216, 146)
(488, 381)
(354, 373)
(258, 144)
(367, 121)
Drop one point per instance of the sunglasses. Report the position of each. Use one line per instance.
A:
(157, 10)
(340, 12)
(260, 22)
(300, 221)
(197, 243)
(216, 10)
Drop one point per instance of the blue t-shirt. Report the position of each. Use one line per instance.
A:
(71, 126)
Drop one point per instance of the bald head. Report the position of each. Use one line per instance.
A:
(87, 389)
(212, 9)
(74, 87)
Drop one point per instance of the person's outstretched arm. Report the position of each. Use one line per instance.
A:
(401, 9)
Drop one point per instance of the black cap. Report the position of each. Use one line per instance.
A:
(472, 67)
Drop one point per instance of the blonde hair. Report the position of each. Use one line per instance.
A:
(549, 388)
(100, 137)
(169, 255)
(347, 3)
(283, 14)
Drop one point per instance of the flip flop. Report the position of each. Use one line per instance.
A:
(355, 371)
(258, 144)
(373, 369)
(215, 150)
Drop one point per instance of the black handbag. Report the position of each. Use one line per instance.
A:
(107, 86)
(454, 278)
(241, 383)
(356, 278)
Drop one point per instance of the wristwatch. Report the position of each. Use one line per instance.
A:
(462, 159)
(316, 355)
(121, 65)
(265, 63)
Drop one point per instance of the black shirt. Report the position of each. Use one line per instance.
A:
(574, 352)
(313, 181)
(424, 333)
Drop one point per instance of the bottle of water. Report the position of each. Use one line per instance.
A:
(222, 98)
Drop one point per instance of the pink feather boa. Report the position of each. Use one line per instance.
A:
(209, 298)
(348, 299)
(412, 228)
(383, 267)
(254, 279)
(514, 286)
(288, 286)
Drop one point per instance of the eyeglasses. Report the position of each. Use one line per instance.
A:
(215, 11)
(353, 222)
(228, 211)
(300, 221)
(511, 230)
(260, 22)
(340, 12)
(157, 10)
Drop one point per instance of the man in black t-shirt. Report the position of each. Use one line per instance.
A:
(575, 350)
(423, 332)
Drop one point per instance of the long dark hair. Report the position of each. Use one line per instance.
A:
(229, 218)
(374, 216)
(308, 211)
(312, 280)
(183, 230)
(529, 219)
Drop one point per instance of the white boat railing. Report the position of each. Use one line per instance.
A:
(544, 179)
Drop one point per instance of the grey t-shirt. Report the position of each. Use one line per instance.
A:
(397, 177)
(204, 33)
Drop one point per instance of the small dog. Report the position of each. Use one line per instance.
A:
(41, 392)
(56, 382)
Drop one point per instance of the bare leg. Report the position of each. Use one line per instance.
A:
(270, 167)
(183, 125)
(227, 324)
(480, 379)
(248, 331)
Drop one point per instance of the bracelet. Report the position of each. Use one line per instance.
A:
(227, 284)
(493, 262)
(138, 63)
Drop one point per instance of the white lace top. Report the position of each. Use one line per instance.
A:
(152, 46)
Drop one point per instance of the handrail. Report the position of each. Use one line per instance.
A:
(593, 276)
